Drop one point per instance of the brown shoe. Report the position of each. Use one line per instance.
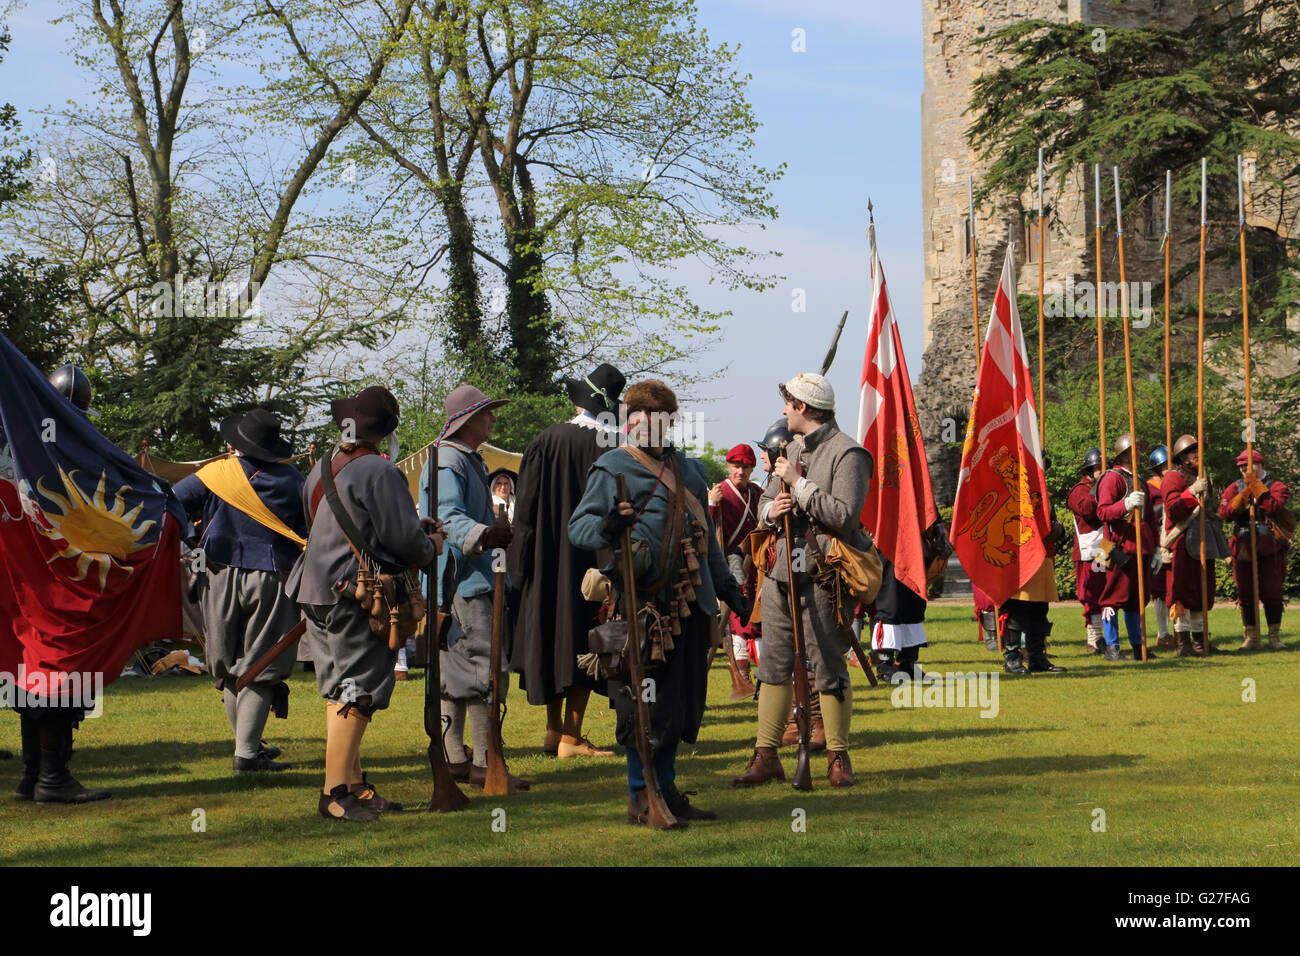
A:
(1166, 640)
(838, 769)
(369, 797)
(478, 778)
(765, 765)
(638, 812)
(583, 748)
(339, 804)
(1185, 646)
(399, 675)
(1275, 637)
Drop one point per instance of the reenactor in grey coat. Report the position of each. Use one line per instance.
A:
(354, 668)
(827, 474)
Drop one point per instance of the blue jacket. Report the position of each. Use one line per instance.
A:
(465, 509)
(228, 536)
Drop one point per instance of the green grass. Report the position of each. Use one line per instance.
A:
(1186, 772)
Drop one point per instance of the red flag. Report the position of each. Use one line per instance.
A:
(900, 504)
(999, 518)
(90, 564)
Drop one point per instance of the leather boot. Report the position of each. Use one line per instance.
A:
(1166, 640)
(838, 769)
(1111, 653)
(369, 797)
(54, 784)
(31, 735)
(1250, 639)
(765, 765)
(1011, 662)
(460, 770)
(682, 808)
(339, 804)
(1039, 662)
(1275, 637)
(817, 735)
(1200, 645)
(1185, 646)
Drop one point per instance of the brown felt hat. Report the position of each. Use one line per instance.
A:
(461, 404)
(373, 411)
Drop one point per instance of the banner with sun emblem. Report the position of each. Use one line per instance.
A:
(89, 541)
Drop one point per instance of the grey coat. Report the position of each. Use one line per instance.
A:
(837, 473)
(376, 497)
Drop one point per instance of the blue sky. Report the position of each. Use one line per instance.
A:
(844, 116)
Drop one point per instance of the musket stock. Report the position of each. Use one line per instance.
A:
(498, 780)
(660, 817)
(446, 797)
(802, 771)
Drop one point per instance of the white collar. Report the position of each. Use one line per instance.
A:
(584, 419)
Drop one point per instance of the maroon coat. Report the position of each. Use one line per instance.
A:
(1184, 586)
(1088, 585)
(1272, 553)
(1121, 589)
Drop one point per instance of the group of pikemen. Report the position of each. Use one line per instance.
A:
(1173, 507)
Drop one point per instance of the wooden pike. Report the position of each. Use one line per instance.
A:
(1101, 350)
(1250, 422)
(1200, 411)
(1132, 419)
(1169, 412)
(974, 276)
(1042, 408)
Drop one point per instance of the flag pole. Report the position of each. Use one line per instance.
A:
(1042, 408)
(1169, 413)
(1132, 419)
(1250, 422)
(1200, 414)
(1101, 351)
(974, 276)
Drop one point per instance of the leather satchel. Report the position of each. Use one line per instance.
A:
(393, 600)
(606, 656)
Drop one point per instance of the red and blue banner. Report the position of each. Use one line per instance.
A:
(89, 541)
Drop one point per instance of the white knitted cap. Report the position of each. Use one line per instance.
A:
(812, 389)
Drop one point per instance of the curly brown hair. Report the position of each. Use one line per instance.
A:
(651, 395)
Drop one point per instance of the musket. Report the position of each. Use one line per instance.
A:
(802, 770)
(263, 662)
(498, 779)
(446, 797)
(660, 817)
(863, 660)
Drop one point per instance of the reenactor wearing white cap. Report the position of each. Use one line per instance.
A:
(825, 475)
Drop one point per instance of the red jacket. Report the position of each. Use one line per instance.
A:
(1111, 491)
(1082, 502)
(1270, 503)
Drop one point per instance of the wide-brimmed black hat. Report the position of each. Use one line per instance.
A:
(256, 433)
(599, 391)
(373, 411)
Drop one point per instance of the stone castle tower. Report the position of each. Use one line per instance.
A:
(951, 66)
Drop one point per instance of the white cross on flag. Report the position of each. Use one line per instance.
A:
(1000, 517)
(900, 502)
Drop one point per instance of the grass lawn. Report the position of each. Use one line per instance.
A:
(1185, 771)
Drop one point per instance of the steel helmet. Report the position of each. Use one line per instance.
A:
(1091, 460)
(73, 384)
(1183, 444)
(777, 435)
(1159, 456)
